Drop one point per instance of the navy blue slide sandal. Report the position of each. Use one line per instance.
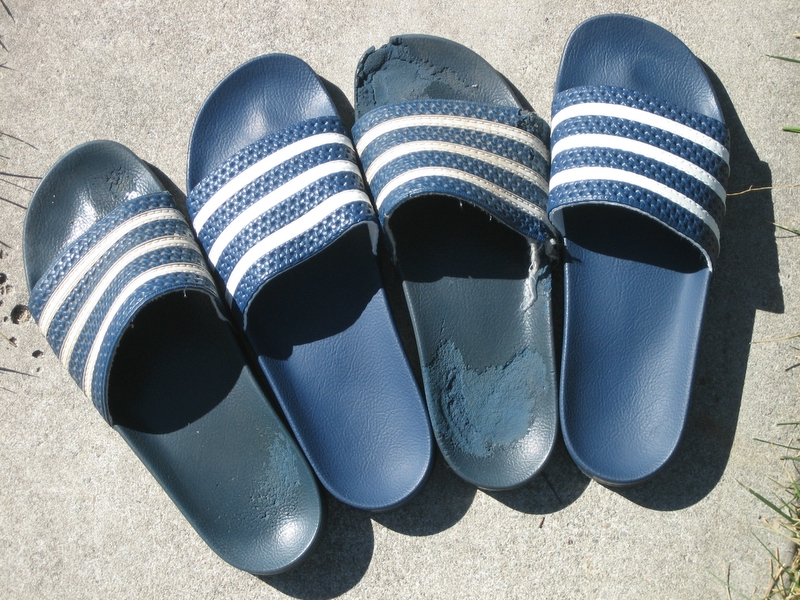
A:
(458, 164)
(120, 288)
(640, 160)
(278, 202)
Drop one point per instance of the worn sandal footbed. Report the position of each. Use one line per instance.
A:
(458, 165)
(120, 288)
(277, 199)
(640, 160)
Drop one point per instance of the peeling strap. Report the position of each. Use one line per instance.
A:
(613, 145)
(140, 251)
(276, 203)
(493, 157)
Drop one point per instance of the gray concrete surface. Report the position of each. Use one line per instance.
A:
(80, 517)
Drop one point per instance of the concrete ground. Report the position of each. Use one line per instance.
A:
(80, 517)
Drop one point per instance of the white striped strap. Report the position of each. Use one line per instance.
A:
(86, 300)
(613, 145)
(278, 202)
(493, 157)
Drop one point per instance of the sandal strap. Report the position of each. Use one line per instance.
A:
(494, 157)
(278, 202)
(84, 302)
(612, 145)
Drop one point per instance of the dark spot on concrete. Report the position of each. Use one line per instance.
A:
(3, 278)
(37, 353)
(20, 314)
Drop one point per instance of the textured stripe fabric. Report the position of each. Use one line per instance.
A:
(276, 203)
(493, 157)
(141, 250)
(613, 145)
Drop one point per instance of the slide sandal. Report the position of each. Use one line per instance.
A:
(640, 159)
(120, 288)
(458, 170)
(278, 202)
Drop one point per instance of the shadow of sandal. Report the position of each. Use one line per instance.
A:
(339, 561)
(746, 281)
(441, 503)
(559, 484)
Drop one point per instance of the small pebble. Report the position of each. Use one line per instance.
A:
(37, 353)
(20, 314)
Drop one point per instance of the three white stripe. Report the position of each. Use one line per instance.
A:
(272, 199)
(266, 164)
(395, 152)
(79, 270)
(577, 174)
